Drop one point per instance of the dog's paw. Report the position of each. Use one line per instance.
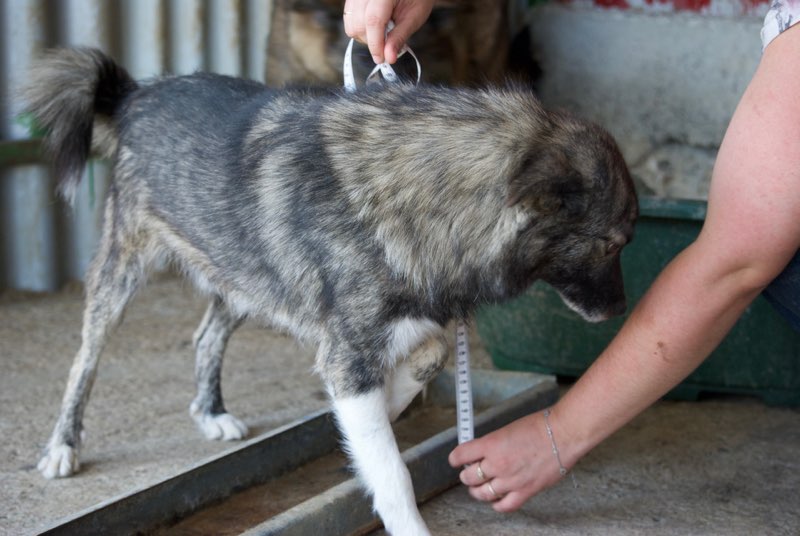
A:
(223, 426)
(59, 461)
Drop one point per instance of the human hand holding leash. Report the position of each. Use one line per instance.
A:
(366, 20)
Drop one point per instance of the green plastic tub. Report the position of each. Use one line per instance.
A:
(537, 332)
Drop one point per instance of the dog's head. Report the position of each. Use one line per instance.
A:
(579, 203)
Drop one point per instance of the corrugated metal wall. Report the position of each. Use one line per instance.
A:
(43, 243)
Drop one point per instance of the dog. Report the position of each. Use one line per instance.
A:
(361, 222)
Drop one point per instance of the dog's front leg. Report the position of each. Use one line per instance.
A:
(413, 373)
(356, 382)
(364, 422)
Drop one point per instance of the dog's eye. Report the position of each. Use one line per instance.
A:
(613, 247)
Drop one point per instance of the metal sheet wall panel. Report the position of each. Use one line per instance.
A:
(185, 36)
(44, 243)
(29, 246)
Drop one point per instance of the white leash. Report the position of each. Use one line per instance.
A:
(465, 422)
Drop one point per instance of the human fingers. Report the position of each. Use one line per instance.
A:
(408, 17)
(505, 494)
(376, 16)
(516, 458)
(359, 14)
(511, 501)
(475, 474)
(466, 453)
(490, 491)
(353, 17)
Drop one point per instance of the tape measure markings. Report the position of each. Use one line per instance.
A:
(385, 69)
(464, 410)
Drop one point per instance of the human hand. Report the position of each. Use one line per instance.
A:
(366, 20)
(516, 462)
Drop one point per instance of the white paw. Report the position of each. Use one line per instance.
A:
(59, 461)
(223, 426)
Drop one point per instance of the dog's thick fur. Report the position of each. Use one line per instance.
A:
(360, 222)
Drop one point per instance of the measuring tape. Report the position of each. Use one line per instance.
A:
(464, 413)
(383, 68)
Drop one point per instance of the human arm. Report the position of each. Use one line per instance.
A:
(366, 20)
(751, 232)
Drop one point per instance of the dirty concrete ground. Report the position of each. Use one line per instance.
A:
(727, 466)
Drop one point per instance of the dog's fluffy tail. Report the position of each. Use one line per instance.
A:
(69, 93)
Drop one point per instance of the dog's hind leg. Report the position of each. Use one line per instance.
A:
(210, 339)
(413, 373)
(360, 405)
(117, 271)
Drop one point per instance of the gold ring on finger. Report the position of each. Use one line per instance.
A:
(495, 495)
(479, 471)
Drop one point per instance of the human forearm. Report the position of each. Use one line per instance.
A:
(681, 319)
(749, 235)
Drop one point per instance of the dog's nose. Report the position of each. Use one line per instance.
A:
(618, 308)
(609, 312)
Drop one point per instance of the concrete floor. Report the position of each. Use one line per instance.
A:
(726, 466)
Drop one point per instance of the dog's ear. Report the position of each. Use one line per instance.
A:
(548, 185)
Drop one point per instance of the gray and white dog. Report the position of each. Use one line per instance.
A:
(360, 222)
